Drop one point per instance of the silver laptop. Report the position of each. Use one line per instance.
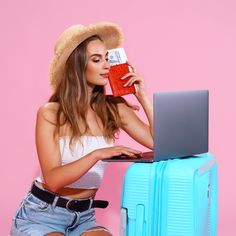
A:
(180, 127)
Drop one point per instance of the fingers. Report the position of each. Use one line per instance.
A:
(133, 78)
(127, 151)
(134, 155)
(128, 75)
(122, 151)
(131, 81)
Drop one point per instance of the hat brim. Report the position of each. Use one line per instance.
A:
(110, 33)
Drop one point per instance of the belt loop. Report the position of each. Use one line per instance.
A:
(55, 201)
(33, 183)
(29, 191)
(91, 202)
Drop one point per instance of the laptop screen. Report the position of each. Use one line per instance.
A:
(180, 124)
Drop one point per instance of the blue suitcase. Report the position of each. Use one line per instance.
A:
(171, 198)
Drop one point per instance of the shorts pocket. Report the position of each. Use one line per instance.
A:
(88, 216)
(31, 211)
(34, 204)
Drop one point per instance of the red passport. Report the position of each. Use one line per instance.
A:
(115, 74)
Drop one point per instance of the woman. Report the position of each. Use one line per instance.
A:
(75, 131)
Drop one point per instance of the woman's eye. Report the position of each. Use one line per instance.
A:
(96, 60)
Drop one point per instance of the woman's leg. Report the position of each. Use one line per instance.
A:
(55, 234)
(96, 231)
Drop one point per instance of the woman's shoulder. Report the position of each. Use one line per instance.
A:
(48, 111)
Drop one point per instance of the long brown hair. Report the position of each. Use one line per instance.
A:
(73, 99)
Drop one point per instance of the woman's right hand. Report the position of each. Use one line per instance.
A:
(104, 153)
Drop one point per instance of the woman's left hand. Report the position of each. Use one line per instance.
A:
(138, 82)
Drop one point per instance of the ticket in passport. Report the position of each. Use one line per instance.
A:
(117, 56)
(119, 67)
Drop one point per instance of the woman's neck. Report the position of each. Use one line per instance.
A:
(90, 88)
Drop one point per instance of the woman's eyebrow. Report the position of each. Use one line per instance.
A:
(98, 55)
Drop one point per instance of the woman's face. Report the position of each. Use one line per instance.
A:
(98, 66)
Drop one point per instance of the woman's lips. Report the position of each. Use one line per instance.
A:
(105, 75)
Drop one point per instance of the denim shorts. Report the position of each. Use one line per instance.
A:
(35, 217)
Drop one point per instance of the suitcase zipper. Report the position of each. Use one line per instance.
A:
(157, 172)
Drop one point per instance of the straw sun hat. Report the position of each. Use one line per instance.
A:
(110, 33)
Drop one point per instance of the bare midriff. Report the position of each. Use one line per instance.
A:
(73, 192)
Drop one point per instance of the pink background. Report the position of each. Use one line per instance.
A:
(175, 45)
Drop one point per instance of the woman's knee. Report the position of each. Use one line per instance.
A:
(55, 234)
(98, 231)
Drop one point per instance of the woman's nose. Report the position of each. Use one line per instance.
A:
(107, 64)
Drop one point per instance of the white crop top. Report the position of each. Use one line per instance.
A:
(92, 178)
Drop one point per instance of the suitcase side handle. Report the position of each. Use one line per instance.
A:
(123, 221)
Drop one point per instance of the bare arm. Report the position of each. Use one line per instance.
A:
(137, 129)
(148, 109)
(55, 175)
